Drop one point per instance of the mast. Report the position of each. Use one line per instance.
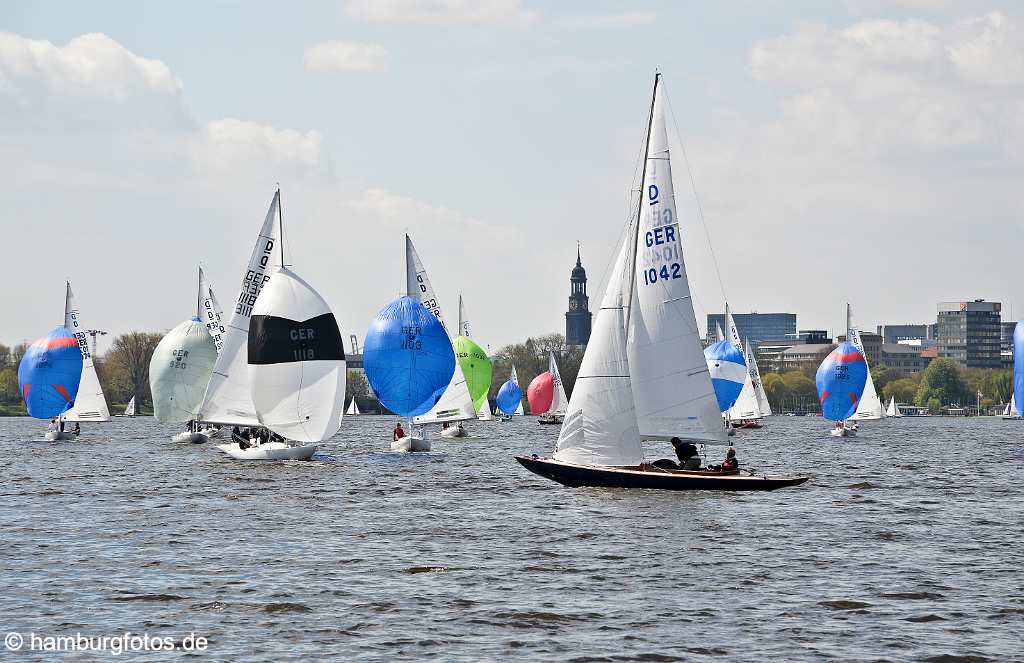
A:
(199, 295)
(67, 300)
(640, 199)
(280, 225)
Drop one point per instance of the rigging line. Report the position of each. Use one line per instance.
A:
(696, 197)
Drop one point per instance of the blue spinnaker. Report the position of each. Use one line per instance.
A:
(1018, 366)
(408, 357)
(49, 374)
(509, 397)
(728, 371)
(840, 380)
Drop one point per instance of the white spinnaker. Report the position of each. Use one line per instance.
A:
(179, 371)
(520, 412)
(129, 410)
(301, 393)
(600, 422)
(559, 402)
(90, 404)
(669, 373)
(755, 375)
(210, 312)
(455, 404)
(870, 406)
(227, 399)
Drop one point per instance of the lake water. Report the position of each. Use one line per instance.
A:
(906, 544)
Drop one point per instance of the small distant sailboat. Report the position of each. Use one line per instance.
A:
(129, 410)
(840, 380)
(509, 399)
(870, 405)
(179, 371)
(752, 403)
(555, 413)
(409, 362)
(457, 404)
(476, 367)
(1010, 411)
(91, 404)
(728, 375)
(353, 408)
(643, 375)
(893, 410)
(49, 377)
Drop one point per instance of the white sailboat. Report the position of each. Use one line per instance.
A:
(91, 404)
(1010, 412)
(559, 401)
(483, 413)
(893, 410)
(353, 408)
(644, 375)
(870, 405)
(129, 410)
(456, 404)
(179, 371)
(520, 411)
(295, 361)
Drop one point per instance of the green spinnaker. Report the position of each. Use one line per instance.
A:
(476, 367)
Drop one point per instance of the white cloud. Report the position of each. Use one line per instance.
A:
(225, 146)
(92, 81)
(376, 205)
(345, 57)
(445, 12)
(620, 20)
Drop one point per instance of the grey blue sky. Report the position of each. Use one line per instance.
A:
(868, 152)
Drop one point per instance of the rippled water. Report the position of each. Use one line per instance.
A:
(906, 544)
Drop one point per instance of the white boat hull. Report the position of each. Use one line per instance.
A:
(189, 436)
(55, 436)
(411, 443)
(454, 431)
(842, 432)
(269, 451)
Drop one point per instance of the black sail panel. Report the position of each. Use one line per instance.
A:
(274, 340)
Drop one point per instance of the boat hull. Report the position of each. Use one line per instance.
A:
(554, 420)
(411, 443)
(55, 436)
(269, 451)
(843, 432)
(189, 436)
(576, 476)
(454, 431)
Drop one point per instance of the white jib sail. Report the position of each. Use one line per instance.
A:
(353, 408)
(179, 371)
(520, 412)
(600, 421)
(210, 312)
(559, 402)
(670, 378)
(227, 399)
(893, 410)
(90, 404)
(296, 360)
(455, 404)
(129, 410)
(755, 376)
(870, 406)
(484, 413)
(746, 405)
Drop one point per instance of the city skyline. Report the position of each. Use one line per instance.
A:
(140, 144)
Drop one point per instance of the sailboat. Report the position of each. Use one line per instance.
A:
(91, 404)
(353, 408)
(509, 399)
(129, 410)
(644, 375)
(409, 361)
(1010, 411)
(179, 371)
(456, 404)
(476, 367)
(870, 406)
(752, 403)
(840, 380)
(893, 410)
(555, 413)
(296, 367)
(728, 371)
(49, 376)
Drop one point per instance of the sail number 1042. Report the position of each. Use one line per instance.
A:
(666, 273)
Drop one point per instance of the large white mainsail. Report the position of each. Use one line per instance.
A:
(559, 401)
(210, 311)
(870, 406)
(90, 404)
(455, 404)
(600, 421)
(227, 399)
(669, 374)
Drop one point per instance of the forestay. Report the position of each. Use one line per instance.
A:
(670, 380)
(296, 360)
(227, 399)
(91, 404)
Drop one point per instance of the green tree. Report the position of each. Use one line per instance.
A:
(934, 405)
(942, 381)
(775, 390)
(356, 385)
(9, 392)
(904, 389)
(5, 357)
(127, 367)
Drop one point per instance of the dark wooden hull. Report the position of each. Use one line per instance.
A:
(747, 424)
(577, 476)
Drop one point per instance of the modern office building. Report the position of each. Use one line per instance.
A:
(1006, 335)
(904, 358)
(757, 327)
(969, 333)
(872, 345)
(900, 333)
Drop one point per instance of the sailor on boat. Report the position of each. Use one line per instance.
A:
(399, 432)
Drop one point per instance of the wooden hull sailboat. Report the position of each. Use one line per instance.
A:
(649, 476)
